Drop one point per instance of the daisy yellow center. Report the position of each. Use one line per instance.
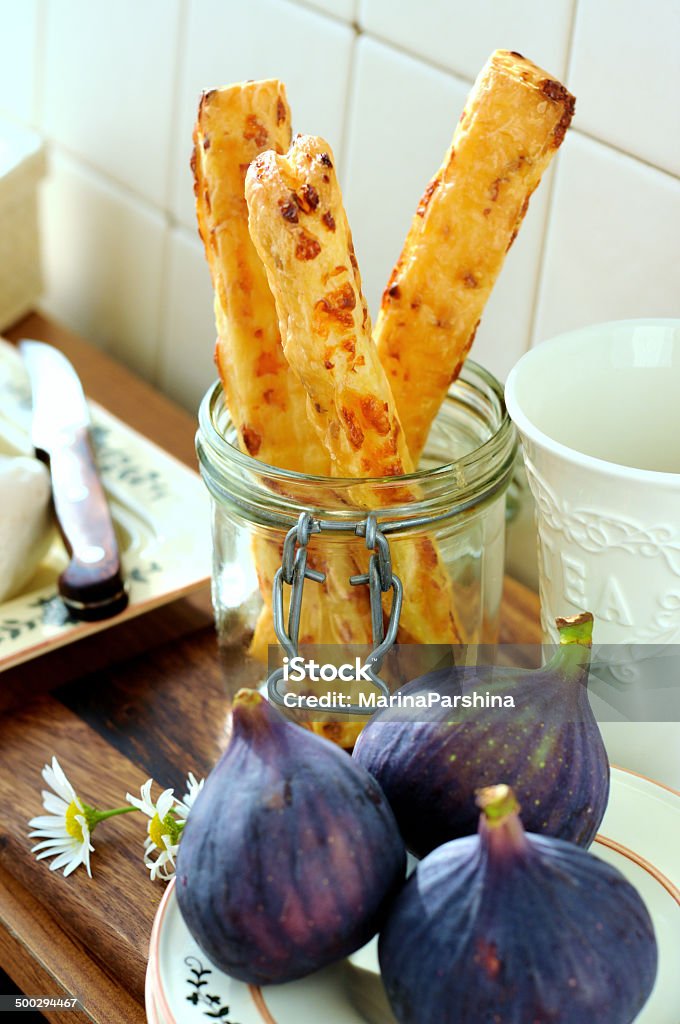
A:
(73, 827)
(162, 827)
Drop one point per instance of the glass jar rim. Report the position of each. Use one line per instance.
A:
(485, 469)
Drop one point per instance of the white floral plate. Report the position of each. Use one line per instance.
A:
(161, 514)
(640, 836)
(149, 998)
(185, 987)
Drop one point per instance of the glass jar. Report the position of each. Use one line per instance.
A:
(446, 521)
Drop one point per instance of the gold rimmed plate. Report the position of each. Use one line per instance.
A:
(640, 836)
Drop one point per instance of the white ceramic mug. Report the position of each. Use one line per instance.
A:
(598, 410)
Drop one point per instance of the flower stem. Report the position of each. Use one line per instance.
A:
(103, 815)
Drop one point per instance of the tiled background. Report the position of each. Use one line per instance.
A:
(114, 85)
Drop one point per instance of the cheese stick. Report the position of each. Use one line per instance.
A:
(301, 233)
(514, 121)
(233, 125)
(300, 230)
(264, 397)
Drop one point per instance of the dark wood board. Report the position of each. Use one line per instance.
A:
(150, 700)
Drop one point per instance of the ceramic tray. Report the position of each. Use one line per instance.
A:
(160, 510)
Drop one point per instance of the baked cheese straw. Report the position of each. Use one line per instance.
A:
(262, 394)
(514, 121)
(233, 126)
(300, 230)
(264, 397)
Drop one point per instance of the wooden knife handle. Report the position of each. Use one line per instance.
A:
(92, 584)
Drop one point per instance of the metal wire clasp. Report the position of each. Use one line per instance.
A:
(380, 579)
(294, 572)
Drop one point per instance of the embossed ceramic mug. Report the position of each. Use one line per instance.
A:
(598, 410)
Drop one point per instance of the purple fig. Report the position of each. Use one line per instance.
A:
(291, 854)
(519, 928)
(548, 746)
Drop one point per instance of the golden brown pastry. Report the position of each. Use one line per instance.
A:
(265, 398)
(301, 233)
(299, 227)
(514, 121)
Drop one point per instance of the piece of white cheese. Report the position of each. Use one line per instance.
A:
(25, 520)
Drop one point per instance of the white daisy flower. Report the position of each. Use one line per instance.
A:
(183, 806)
(164, 830)
(65, 831)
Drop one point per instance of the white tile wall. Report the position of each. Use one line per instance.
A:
(625, 69)
(114, 85)
(402, 116)
(108, 90)
(403, 113)
(18, 59)
(227, 41)
(612, 247)
(460, 35)
(186, 365)
(103, 253)
(345, 9)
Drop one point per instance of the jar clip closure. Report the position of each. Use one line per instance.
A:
(380, 579)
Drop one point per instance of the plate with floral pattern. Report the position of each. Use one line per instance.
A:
(160, 511)
(185, 987)
(639, 836)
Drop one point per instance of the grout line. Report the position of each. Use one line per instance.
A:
(550, 215)
(188, 234)
(570, 38)
(162, 308)
(38, 111)
(418, 57)
(538, 281)
(178, 83)
(107, 180)
(550, 206)
(350, 107)
(173, 221)
(625, 153)
(590, 135)
(172, 163)
(322, 12)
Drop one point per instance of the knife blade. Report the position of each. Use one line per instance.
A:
(92, 585)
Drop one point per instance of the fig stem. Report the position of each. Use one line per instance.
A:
(496, 803)
(572, 656)
(247, 698)
(576, 629)
(500, 827)
(252, 714)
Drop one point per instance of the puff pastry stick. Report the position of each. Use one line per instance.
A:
(265, 398)
(299, 227)
(232, 127)
(514, 121)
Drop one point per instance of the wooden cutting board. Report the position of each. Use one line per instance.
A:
(161, 714)
(146, 698)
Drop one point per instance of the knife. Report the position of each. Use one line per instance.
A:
(91, 586)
